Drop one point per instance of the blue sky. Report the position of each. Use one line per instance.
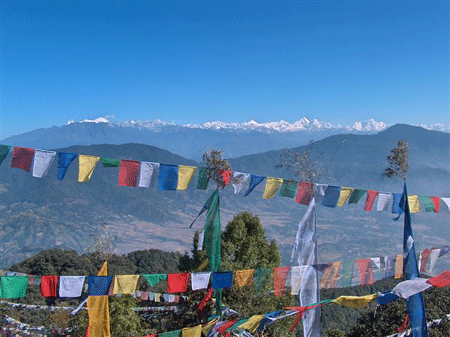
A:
(196, 61)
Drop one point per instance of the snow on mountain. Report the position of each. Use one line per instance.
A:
(303, 124)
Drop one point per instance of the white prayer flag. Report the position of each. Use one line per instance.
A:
(200, 280)
(408, 288)
(383, 201)
(71, 286)
(319, 192)
(447, 202)
(434, 255)
(242, 179)
(377, 262)
(41, 162)
(148, 174)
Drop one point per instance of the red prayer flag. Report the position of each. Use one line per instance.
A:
(177, 283)
(365, 271)
(225, 326)
(436, 201)
(279, 279)
(128, 172)
(304, 193)
(226, 175)
(49, 286)
(442, 280)
(205, 299)
(424, 259)
(371, 195)
(22, 158)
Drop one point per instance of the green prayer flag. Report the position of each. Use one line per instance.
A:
(4, 150)
(110, 162)
(261, 277)
(356, 196)
(346, 274)
(203, 178)
(153, 279)
(288, 188)
(213, 227)
(427, 203)
(175, 333)
(13, 286)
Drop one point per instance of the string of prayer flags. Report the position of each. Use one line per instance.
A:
(272, 186)
(87, 165)
(177, 283)
(192, 332)
(365, 271)
(356, 195)
(128, 172)
(110, 162)
(226, 175)
(244, 278)
(42, 161)
(408, 288)
(413, 201)
(148, 174)
(64, 160)
(255, 180)
(200, 280)
(4, 150)
(355, 301)
(98, 285)
(371, 195)
(222, 280)
(13, 286)
(288, 188)
(185, 174)
(203, 178)
(168, 177)
(442, 280)
(332, 194)
(154, 279)
(49, 285)
(280, 275)
(125, 284)
(98, 311)
(384, 200)
(304, 193)
(22, 158)
(345, 194)
(240, 180)
(71, 286)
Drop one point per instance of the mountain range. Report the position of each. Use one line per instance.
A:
(236, 139)
(37, 214)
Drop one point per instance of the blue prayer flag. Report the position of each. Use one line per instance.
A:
(386, 298)
(168, 177)
(332, 194)
(98, 285)
(222, 280)
(254, 181)
(64, 160)
(396, 207)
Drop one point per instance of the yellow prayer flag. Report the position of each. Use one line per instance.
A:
(98, 311)
(86, 167)
(185, 174)
(203, 265)
(192, 332)
(103, 270)
(244, 277)
(345, 193)
(413, 202)
(125, 284)
(208, 326)
(272, 186)
(355, 301)
(330, 276)
(399, 266)
(252, 323)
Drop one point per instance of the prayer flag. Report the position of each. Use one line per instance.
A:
(304, 193)
(408, 288)
(49, 285)
(103, 270)
(355, 301)
(13, 286)
(125, 284)
(154, 279)
(389, 266)
(212, 236)
(424, 256)
(319, 193)
(222, 280)
(345, 194)
(386, 298)
(279, 279)
(261, 276)
(98, 285)
(383, 201)
(4, 150)
(168, 177)
(240, 180)
(243, 277)
(365, 271)
(399, 266)
(98, 311)
(442, 280)
(396, 197)
(272, 186)
(447, 202)
(71, 286)
(177, 283)
(148, 174)
(346, 274)
(175, 333)
(330, 276)
(64, 160)
(203, 178)
(376, 261)
(192, 332)
(252, 323)
(226, 175)
(356, 196)
(332, 195)
(128, 172)
(434, 255)
(413, 201)
(254, 181)
(200, 280)
(42, 162)
(436, 201)
(110, 162)
(427, 203)
(86, 167)
(296, 278)
(185, 174)
(371, 195)
(288, 188)
(22, 158)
